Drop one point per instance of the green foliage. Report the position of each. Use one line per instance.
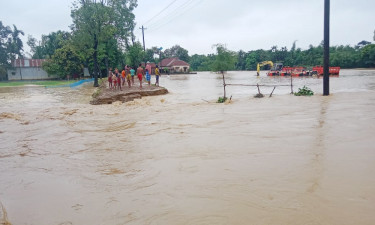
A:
(135, 55)
(224, 59)
(177, 51)
(96, 23)
(11, 45)
(64, 62)
(368, 55)
(48, 45)
(305, 91)
(201, 62)
(221, 100)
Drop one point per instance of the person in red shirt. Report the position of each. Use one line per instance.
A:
(140, 73)
(123, 73)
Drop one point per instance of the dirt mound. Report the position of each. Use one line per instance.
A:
(105, 95)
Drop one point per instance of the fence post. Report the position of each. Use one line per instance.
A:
(272, 91)
(258, 88)
(291, 83)
(222, 72)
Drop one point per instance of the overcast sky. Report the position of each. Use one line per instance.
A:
(196, 25)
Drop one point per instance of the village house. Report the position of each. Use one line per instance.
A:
(174, 65)
(27, 69)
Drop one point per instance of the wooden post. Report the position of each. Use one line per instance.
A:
(291, 83)
(272, 91)
(326, 48)
(222, 72)
(258, 88)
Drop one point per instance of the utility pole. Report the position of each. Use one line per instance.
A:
(326, 48)
(143, 35)
(144, 46)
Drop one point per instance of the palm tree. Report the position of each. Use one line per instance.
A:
(16, 45)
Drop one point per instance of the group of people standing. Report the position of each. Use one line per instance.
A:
(117, 79)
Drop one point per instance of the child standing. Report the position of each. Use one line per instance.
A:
(128, 76)
(114, 79)
(140, 73)
(123, 73)
(132, 72)
(110, 78)
(157, 75)
(118, 77)
(148, 78)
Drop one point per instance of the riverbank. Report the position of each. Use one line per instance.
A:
(105, 95)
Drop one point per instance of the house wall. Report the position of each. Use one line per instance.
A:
(28, 73)
(181, 69)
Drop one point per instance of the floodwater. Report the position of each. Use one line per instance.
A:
(183, 159)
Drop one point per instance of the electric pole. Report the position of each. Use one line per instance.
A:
(143, 36)
(326, 48)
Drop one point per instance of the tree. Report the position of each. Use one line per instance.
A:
(48, 45)
(97, 21)
(177, 51)
(16, 45)
(135, 54)
(362, 44)
(241, 60)
(224, 61)
(64, 62)
(5, 32)
(149, 55)
(11, 46)
(368, 55)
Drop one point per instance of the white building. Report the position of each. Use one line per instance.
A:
(27, 69)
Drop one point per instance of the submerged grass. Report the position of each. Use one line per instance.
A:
(41, 83)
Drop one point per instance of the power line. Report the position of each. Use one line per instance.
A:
(156, 26)
(167, 16)
(160, 11)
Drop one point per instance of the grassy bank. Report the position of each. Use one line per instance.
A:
(41, 83)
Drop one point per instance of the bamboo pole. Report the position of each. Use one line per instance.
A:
(222, 72)
(291, 83)
(258, 88)
(272, 91)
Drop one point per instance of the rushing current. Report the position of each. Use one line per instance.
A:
(183, 159)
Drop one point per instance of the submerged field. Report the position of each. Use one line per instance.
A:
(178, 159)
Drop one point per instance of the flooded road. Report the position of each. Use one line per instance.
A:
(178, 159)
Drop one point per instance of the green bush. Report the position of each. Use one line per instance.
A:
(305, 91)
(221, 100)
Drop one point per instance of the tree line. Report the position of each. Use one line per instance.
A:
(360, 56)
(102, 36)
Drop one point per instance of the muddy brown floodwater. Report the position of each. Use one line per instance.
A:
(178, 159)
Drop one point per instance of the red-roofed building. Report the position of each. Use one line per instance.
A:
(175, 65)
(27, 69)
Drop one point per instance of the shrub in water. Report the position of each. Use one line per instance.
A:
(221, 100)
(305, 91)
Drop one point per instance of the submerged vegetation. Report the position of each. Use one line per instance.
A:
(305, 91)
(221, 100)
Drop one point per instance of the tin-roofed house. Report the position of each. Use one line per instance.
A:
(174, 65)
(27, 69)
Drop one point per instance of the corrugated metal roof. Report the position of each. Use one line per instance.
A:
(28, 62)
